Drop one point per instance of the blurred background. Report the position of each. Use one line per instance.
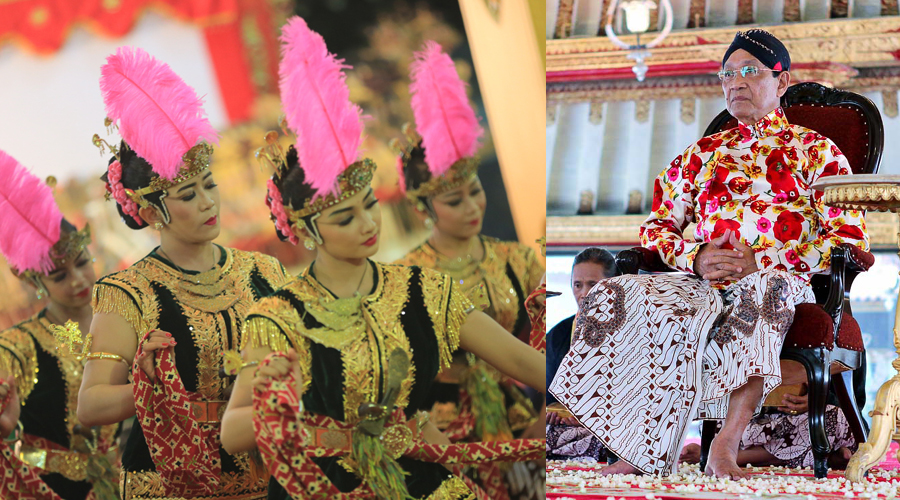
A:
(51, 52)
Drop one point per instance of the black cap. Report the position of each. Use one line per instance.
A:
(763, 46)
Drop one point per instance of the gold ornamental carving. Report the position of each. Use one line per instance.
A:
(579, 230)
(688, 110)
(596, 113)
(873, 193)
(889, 103)
(857, 42)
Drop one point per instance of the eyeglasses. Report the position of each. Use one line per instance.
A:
(728, 74)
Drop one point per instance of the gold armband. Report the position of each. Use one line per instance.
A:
(105, 355)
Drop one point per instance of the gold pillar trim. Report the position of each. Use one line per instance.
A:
(565, 19)
(889, 8)
(889, 103)
(791, 11)
(552, 109)
(688, 110)
(596, 114)
(697, 14)
(857, 42)
(840, 8)
(642, 110)
(745, 12)
(622, 230)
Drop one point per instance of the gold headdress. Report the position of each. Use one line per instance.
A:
(160, 119)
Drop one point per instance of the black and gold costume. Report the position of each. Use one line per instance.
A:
(47, 383)
(204, 312)
(342, 356)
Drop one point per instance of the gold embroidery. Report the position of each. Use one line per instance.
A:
(227, 290)
(18, 358)
(448, 309)
(149, 486)
(453, 488)
(264, 330)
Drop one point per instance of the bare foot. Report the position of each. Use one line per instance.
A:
(722, 461)
(690, 454)
(620, 467)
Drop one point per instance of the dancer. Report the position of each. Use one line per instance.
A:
(170, 315)
(440, 177)
(335, 417)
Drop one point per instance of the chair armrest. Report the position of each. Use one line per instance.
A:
(858, 259)
(640, 259)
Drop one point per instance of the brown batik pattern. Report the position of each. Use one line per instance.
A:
(639, 390)
(604, 317)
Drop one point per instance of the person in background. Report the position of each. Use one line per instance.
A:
(566, 438)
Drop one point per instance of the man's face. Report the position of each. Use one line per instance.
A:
(751, 97)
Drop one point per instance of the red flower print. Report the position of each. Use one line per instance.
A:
(759, 207)
(666, 246)
(708, 144)
(763, 225)
(657, 196)
(848, 231)
(786, 136)
(835, 151)
(673, 174)
(834, 212)
(780, 198)
(717, 188)
(739, 185)
(788, 226)
(830, 169)
(766, 261)
(779, 173)
(723, 225)
(792, 257)
(669, 204)
(692, 168)
(801, 266)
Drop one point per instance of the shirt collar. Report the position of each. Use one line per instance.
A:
(772, 124)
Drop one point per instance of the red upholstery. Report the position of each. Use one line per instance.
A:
(843, 125)
(812, 327)
(861, 257)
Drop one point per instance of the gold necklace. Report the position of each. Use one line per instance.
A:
(341, 314)
(206, 283)
(455, 267)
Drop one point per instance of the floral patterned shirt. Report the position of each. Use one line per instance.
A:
(755, 180)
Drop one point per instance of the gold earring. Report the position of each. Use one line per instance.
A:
(39, 293)
(309, 244)
(158, 226)
(429, 223)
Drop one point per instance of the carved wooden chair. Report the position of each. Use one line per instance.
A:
(822, 334)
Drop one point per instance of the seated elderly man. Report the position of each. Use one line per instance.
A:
(653, 352)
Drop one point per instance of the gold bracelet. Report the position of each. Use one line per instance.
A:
(233, 364)
(105, 355)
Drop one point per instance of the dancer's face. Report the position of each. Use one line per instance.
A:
(351, 229)
(194, 209)
(584, 276)
(70, 284)
(460, 212)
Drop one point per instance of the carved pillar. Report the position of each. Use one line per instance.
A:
(565, 19)
(839, 8)
(889, 98)
(697, 16)
(792, 11)
(551, 112)
(745, 12)
(889, 8)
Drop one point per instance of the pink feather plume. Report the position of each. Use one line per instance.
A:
(317, 106)
(444, 117)
(29, 218)
(158, 115)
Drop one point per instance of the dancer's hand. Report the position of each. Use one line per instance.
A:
(10, 415)
(146, 357)
(553, 418)
(278, 368)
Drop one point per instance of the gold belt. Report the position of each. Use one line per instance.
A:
(397, 438)
(71, 464)
(208, 412)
